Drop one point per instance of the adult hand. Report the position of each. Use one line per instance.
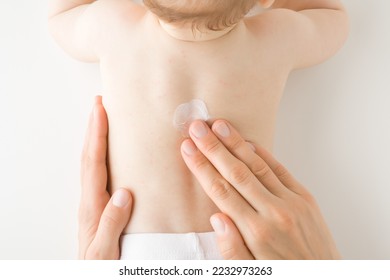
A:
(267, 214)
(101, 218)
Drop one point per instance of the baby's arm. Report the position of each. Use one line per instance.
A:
(72, 25)
(313, 30)
(84, 27)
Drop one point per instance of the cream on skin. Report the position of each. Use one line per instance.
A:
(188, 112)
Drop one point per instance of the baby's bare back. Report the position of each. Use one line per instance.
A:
(146, 75)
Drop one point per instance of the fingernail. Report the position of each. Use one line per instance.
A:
(218, 225)
(189, 148)
(251, 146)
(199, 129)
(121, 198)
(222, 129)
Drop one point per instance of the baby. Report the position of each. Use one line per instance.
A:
(156, 56)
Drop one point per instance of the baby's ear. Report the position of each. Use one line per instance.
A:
(266, 3)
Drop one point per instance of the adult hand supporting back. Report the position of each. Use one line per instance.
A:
(101, 218)
(266, 213)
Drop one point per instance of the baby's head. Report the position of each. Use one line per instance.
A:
(201, 14)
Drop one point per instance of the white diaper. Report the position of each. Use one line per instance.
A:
(169, 246)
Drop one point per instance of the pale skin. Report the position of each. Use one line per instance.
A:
(101, 218)
(266, 213)
(149, 68)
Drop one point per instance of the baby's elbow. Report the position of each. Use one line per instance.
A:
(339, 20)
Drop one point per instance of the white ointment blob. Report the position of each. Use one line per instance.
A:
(188, 112)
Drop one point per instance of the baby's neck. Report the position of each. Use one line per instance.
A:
(186, 33)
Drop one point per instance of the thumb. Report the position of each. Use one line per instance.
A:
(230, 242)
(115, 217)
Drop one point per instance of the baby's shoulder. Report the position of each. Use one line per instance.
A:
(305, 37)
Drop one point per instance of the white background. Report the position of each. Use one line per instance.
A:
(333, 133)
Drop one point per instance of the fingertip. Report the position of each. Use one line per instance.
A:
(229, 239)
(188, 147)
(121, 198)
(99, 117)
(198, 129)
(98, 99)
(95, 108)
(217, 122)
(226, 133)
(218, 224)
(112, 222)
(221, 128)
(223, 224)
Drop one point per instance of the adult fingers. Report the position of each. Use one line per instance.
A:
(232, 169)
(94, 169)
(115, 217)
(94, 198)
(230, 242)
(87, 135)
(87, 138)
(233, 141)
(284, 176)
(216, 187)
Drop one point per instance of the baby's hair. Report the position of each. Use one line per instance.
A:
(200, 14)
